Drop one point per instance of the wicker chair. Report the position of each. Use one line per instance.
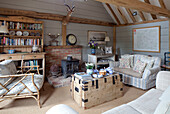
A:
(23, 85)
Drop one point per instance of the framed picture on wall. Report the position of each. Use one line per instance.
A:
(146, 39)
(97, 36)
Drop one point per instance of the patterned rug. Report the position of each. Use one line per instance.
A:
(59, 81)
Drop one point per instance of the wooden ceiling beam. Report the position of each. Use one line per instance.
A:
(140, 6)
(113, 13)
(121, 14)
(153, 16)
(142, 16)
(162, 4)
(49, 16)
(130, 14)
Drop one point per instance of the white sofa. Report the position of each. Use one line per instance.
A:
(147, 79)
(147, 103)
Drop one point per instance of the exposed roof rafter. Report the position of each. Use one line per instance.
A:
(140, 6)
(113, 13)
(162, 4)
(142, 16)
(130, 14)
(153, 16)
(121, 14)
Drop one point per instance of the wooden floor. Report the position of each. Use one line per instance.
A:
(52, 96)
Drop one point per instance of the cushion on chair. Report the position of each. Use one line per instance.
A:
(128, 71)
(61, 109)
(7, 67)
(38, 80)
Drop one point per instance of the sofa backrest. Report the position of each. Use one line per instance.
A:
(163, 80)
(157, 60)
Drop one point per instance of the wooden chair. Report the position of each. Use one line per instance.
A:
(166, 65)
(23, 85)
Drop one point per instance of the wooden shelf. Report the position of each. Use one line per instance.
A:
(24, 30)
(18, 46)
(21, 36)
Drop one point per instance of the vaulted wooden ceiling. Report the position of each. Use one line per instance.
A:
(147, 10)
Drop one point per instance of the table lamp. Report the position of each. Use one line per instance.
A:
(3, 30)
(107, 39)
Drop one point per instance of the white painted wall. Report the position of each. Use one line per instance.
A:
(90, 10)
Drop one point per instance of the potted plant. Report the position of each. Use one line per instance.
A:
(89, 67)
(93, 47)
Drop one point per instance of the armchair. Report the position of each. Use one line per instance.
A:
(14, 86)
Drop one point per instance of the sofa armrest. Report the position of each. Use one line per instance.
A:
(113, 64)
(163, 80)
(151, 71)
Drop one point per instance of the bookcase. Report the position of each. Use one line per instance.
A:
(23, 33)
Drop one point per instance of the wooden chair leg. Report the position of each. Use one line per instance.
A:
(38, 101)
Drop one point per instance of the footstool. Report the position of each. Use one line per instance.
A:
(61, 109)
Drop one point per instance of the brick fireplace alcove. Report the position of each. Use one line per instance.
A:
(54, 55)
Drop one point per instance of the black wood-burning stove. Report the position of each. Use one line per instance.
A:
(69, 67)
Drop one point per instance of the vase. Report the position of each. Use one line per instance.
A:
(89, 71)
(93, 51)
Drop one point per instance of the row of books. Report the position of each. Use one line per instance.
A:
(31, 63)
(19, 41)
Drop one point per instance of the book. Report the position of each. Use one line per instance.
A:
(83, 75)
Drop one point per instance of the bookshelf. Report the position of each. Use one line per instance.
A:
(31, 32)
(23, 33)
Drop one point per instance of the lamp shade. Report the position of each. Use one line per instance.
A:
(107, 38)
(4, 29)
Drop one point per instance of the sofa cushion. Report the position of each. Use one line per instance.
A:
(147, 103)
(128, 71)
(131, 57)
(122, 109)
(148, 60)
(7, 67)
(124, 63)
(139, 66)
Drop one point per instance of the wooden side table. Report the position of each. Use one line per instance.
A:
(95, 59)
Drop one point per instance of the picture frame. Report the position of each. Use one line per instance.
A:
(108, 50)
(97, 37)
(146, 39)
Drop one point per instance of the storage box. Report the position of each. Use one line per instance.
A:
(89, 93)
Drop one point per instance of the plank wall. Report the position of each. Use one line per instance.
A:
(90, 9)
(124, 38)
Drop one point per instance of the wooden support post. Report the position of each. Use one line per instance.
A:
(64, 32)
(114, 40)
